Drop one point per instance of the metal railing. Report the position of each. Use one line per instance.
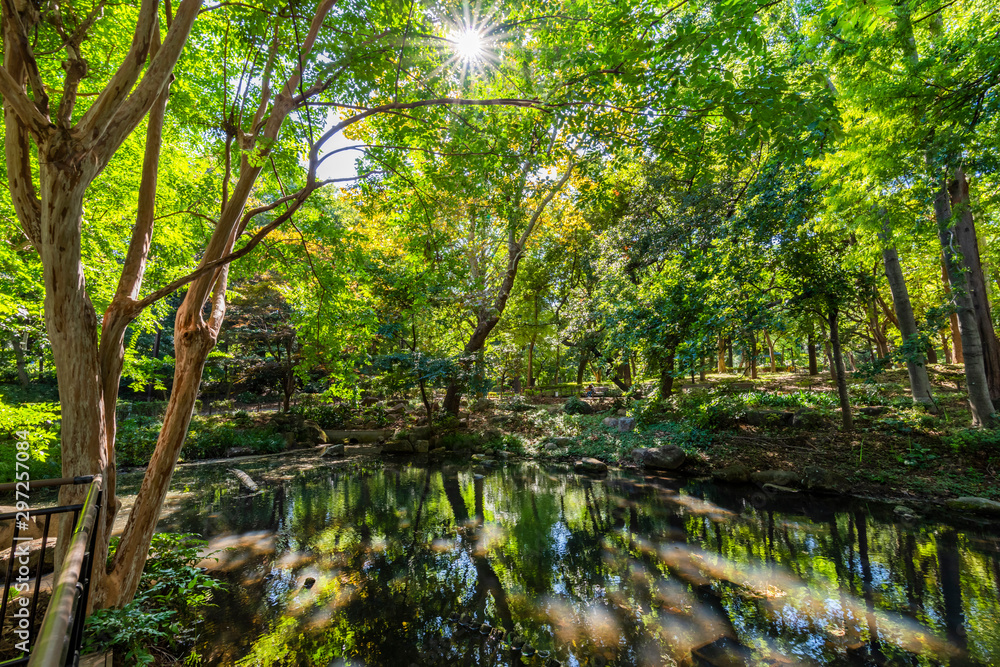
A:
(55, 640)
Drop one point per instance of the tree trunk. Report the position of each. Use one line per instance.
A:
(829, 361)
(980, 403)
(721, 366)
(811, 349)
(932, 356)
(958, 357)
(729, 353)
(948, 358)
(22, 371)
(770, 352)
(581, 367)
(753, 357)
(964, 230)
(667, 376)
(920, 385)
(847, 419)
(489, 317)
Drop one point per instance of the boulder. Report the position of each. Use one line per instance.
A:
(769, 418)
(357, 450)
(809, 419)
(397, 409)
(622, 412)
(420, 433)
(358, 436)
(610, 422)
(422, 446)
(559, 442)
(776, 477)
(312, 434)
(549, 446)
(626, 424)
(974, 505)
(734, 474)
(590, 466)
(333, 450)
(398, 447)
(776, 488)
(815, 478)
(667, 457)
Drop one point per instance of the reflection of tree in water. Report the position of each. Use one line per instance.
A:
(617, 571)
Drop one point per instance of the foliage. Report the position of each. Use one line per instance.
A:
(576, 406)
(40, 421)
(166, 614)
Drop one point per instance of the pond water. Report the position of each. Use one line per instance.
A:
(624, 570)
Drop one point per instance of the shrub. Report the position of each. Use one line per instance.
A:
(135, 440)
(173, 593)
(209, 439)
(576, 406)
(974, 440)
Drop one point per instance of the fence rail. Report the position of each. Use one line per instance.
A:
(55, 640)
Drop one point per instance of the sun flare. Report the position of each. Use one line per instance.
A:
(468, 44)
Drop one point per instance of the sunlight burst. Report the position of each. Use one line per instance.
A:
(468, 44)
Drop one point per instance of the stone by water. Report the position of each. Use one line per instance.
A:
(352, 563)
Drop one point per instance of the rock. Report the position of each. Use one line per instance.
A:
(873, 410)
(561, 441)
(482, 405)
(904, 512)
(358, 436)
(420, 433)
(311, 434)
(333, 450)
(549, 446)
(238, 451)
(809, 419)
(397, 409)
(626, 424)
(437, 451)
(422, 446)
(776, 477)
(667, 457)
(776, 488)
(735, 474)
(815, 478)
(769, 418)
(974, 505)
(290, 440)
(398, 447)
(610, 422)
(590, 466)
(622, 412)
(357, 450)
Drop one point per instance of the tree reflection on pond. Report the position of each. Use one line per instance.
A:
(616, 571)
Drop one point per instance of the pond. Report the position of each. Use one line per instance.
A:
(403, 564)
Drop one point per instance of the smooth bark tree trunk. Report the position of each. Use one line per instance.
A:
(667, 376)
(721, 365)
(980, 403)
(920, 385)
(948, 358)
(958, 357)
(22, 369)
(811, 351)
(829, 361)
(847, 419)
(964, 227)
(770, 352)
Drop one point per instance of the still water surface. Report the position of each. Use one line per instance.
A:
(624, 570)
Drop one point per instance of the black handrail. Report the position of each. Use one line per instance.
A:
(60, 632)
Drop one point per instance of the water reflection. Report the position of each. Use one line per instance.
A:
(349, 566)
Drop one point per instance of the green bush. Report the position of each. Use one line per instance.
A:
(974, 441)
(209, 439)
(135, 440)
(41, 423)
(173, 594)
(576, 406)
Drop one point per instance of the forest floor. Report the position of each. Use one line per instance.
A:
(786, 421)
